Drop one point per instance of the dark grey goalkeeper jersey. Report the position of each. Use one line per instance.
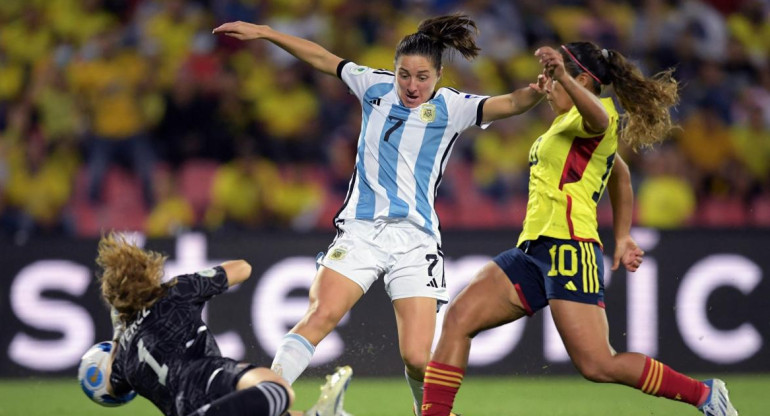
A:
(161, 353)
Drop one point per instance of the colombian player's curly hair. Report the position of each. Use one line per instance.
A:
(435, 34)
(646, 101)
(130, 277)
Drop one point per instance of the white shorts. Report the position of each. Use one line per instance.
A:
(409, 259)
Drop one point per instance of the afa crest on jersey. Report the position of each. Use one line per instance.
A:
(427, 113)
(338, 254)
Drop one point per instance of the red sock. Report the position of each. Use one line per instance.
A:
(440, 387)
(660, 380)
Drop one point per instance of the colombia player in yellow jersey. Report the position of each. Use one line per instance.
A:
(558, 259)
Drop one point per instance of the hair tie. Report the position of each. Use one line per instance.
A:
(605, 54)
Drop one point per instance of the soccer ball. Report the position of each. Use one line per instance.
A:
(92, 375)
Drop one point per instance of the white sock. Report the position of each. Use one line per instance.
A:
(292, 357)
(416, 387)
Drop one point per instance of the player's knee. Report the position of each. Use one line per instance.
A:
(323, 316)
(597, 371)
(415, 361)
(459, 321)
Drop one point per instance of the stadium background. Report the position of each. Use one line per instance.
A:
(130, 115)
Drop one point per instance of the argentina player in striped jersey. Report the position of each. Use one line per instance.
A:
(387, 225)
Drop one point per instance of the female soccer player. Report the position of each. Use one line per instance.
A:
(387, 225)
(558, 258)
(165, 352)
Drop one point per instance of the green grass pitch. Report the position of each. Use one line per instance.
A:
(479, 396)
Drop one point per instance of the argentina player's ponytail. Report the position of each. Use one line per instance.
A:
(434, 35)
(646, 100)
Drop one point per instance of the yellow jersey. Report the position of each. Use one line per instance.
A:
(568, 171)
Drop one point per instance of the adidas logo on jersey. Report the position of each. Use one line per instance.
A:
(375, 101)
(570, 286)
(432, 283)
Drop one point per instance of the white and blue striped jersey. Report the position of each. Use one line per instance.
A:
(402, 152)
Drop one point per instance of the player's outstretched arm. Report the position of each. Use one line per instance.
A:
(517, 102)
(310, 52)
(622, 199)
(237, 271)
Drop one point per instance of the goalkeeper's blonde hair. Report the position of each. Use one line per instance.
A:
(131, 277)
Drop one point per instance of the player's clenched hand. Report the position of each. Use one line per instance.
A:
(241, 30)
(552, 62)
(628, 253)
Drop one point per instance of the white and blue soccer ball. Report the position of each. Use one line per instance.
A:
(92, 375)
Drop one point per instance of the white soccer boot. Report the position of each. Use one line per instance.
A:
(718, 402)
(332, 394)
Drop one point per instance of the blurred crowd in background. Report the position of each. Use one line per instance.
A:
(130, 114)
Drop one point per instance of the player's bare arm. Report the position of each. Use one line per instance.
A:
(595, 117)
(310, 52)
(516, 102)
(622, 198)
(237, 271)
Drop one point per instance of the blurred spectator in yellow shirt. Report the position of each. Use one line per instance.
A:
(254, 77)
(238, 190)
(751, 27)
(39, 187)
(58, 109)
(114, 80)
(298, 199)
(172, 213)
(77, 21)
(751, 138)
(27, 39)
(706, 143)
(12, 77)
(288, 113)
(167, 30)
(665, 199)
